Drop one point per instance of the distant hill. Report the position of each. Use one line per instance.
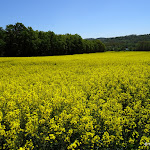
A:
(129, 42)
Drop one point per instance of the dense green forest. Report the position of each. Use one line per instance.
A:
(18, 40)
(131, 42)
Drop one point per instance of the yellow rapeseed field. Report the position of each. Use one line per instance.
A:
(87, 101)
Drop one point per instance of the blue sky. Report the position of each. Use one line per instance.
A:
(88, 18)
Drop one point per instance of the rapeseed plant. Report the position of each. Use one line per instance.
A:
(88, 101)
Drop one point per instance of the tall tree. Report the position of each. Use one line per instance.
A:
(15, 39)
(2, 41)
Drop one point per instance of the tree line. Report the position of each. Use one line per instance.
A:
(18, 40)
(144, 45)
(130, 42)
